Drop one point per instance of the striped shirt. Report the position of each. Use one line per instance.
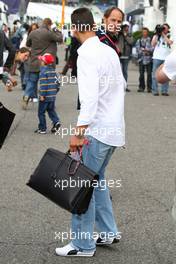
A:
(49, 83)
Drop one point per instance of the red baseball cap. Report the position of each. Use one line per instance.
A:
(47, 58)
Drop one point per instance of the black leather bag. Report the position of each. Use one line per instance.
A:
(6, 120)
(63, 180)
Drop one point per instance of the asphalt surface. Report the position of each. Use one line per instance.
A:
(142, 206)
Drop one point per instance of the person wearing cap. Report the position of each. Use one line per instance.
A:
(48, 88)
(125, 44)
(101, 122)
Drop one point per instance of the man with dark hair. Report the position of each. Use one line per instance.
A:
(101, 123)
(145, 51)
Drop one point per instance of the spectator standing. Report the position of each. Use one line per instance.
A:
(24, 67)
(108, 33)
(42, 40)
(72, 60)
(31, 28)
(125, 43)
(68, 45)
(144, 53)
(162, 47)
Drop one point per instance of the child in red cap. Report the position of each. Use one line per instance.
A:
(49, 86)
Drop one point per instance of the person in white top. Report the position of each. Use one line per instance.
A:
(101, 121)
(162, 47)
(165, 73)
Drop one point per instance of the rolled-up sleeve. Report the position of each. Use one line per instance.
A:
(88, 85)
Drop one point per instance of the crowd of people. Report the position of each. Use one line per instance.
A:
(94, 56)
(151, 52)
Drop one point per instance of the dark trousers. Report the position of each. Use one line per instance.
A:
(148, 69)
(42, 109)
(22, 76)
(124, 65)
(67, 50)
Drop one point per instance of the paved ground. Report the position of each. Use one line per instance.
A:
(142, 206)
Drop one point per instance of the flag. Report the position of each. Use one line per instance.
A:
(15, 5)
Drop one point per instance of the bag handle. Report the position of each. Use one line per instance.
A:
(54, 175)
(75, 169)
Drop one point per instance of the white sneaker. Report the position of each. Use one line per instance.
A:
(70, 251)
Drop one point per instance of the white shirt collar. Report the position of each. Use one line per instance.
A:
(88, 43)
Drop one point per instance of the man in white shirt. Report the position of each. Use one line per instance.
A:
(165, 73)
(101, 88)
(162, 47)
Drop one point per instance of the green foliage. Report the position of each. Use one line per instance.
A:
(138, 34)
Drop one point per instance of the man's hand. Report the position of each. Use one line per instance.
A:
(168, 41)
(76, 143)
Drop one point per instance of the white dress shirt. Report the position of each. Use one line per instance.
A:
(169, 67)
(101, 89)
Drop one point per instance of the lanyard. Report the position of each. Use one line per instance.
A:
(106, 36)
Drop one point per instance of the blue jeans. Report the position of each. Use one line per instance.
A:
(165, 86)
(96, 156)
(124, 65)
(42, 109)
(31, 80)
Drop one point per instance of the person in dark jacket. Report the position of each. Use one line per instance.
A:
(5, 44)
(109, 34)
(5, 67)
(49, 87)
(41, 41)
(125, 43)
